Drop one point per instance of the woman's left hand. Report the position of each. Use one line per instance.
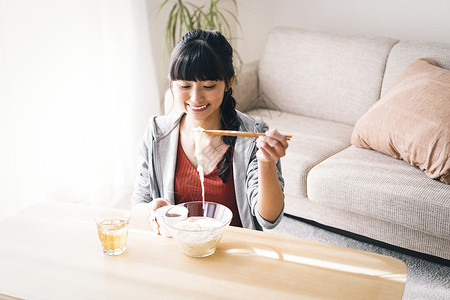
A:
(272, 146)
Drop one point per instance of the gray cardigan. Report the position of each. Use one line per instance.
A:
(157, 154)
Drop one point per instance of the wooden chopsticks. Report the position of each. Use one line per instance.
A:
(239, 133)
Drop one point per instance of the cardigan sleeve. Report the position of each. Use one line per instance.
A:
(144, 182)
(253, 181)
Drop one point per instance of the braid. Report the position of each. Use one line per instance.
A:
(228, 121)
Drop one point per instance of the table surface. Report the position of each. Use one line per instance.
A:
(52, 251)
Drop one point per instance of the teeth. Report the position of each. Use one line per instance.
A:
(198, 108)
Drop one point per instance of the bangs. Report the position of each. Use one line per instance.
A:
(196, 61)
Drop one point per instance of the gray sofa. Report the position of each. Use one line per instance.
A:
(315, 86)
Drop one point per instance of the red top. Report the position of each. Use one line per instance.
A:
(189, 188)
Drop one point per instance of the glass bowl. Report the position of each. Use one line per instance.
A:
(196, 229)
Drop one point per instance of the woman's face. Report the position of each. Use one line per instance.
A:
(201, 99)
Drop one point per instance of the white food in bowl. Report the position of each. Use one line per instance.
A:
(198, 236)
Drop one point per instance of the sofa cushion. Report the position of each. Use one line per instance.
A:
(412, 120)
(405, 52)
(313, 140)
(374, 184)
(320, 75)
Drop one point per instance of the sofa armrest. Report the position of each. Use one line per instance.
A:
(246, 87)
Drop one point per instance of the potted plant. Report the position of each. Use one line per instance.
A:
(185, 16)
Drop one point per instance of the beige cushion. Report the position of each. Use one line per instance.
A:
(412, 120)
(322, 75)
(375, 185)
(313, 140)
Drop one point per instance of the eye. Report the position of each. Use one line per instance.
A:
(209, 86)
(181, 86)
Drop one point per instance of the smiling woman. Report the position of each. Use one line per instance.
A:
(76, 90)
(241, 174)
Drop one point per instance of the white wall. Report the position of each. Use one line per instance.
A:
(420, 20)
(76, 91)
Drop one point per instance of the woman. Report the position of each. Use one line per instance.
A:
(242, 173)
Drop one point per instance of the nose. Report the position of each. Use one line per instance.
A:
(196, 94)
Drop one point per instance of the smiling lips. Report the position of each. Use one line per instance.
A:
(198, 108)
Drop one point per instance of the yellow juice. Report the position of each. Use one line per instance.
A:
(113, 234)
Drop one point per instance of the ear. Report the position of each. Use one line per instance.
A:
(231, 82)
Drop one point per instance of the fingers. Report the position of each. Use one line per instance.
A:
(155, 226)
(154, 205)
(272, 146)
(264, 156)
(275, 135)
(159, 202)
(153, 222)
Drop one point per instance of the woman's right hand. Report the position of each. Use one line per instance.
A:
(154, 205)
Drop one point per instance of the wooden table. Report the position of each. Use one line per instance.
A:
(52, 251)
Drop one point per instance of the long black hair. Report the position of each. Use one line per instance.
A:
(207, 55)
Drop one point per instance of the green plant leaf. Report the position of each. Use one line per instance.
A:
(185, 16)
(169, 25)
(182, 20)
(234, 17)
(161, 7)
(173, 37)
(228, 27)
(189, 19)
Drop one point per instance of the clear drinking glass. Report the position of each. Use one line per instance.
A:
(112, 227)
